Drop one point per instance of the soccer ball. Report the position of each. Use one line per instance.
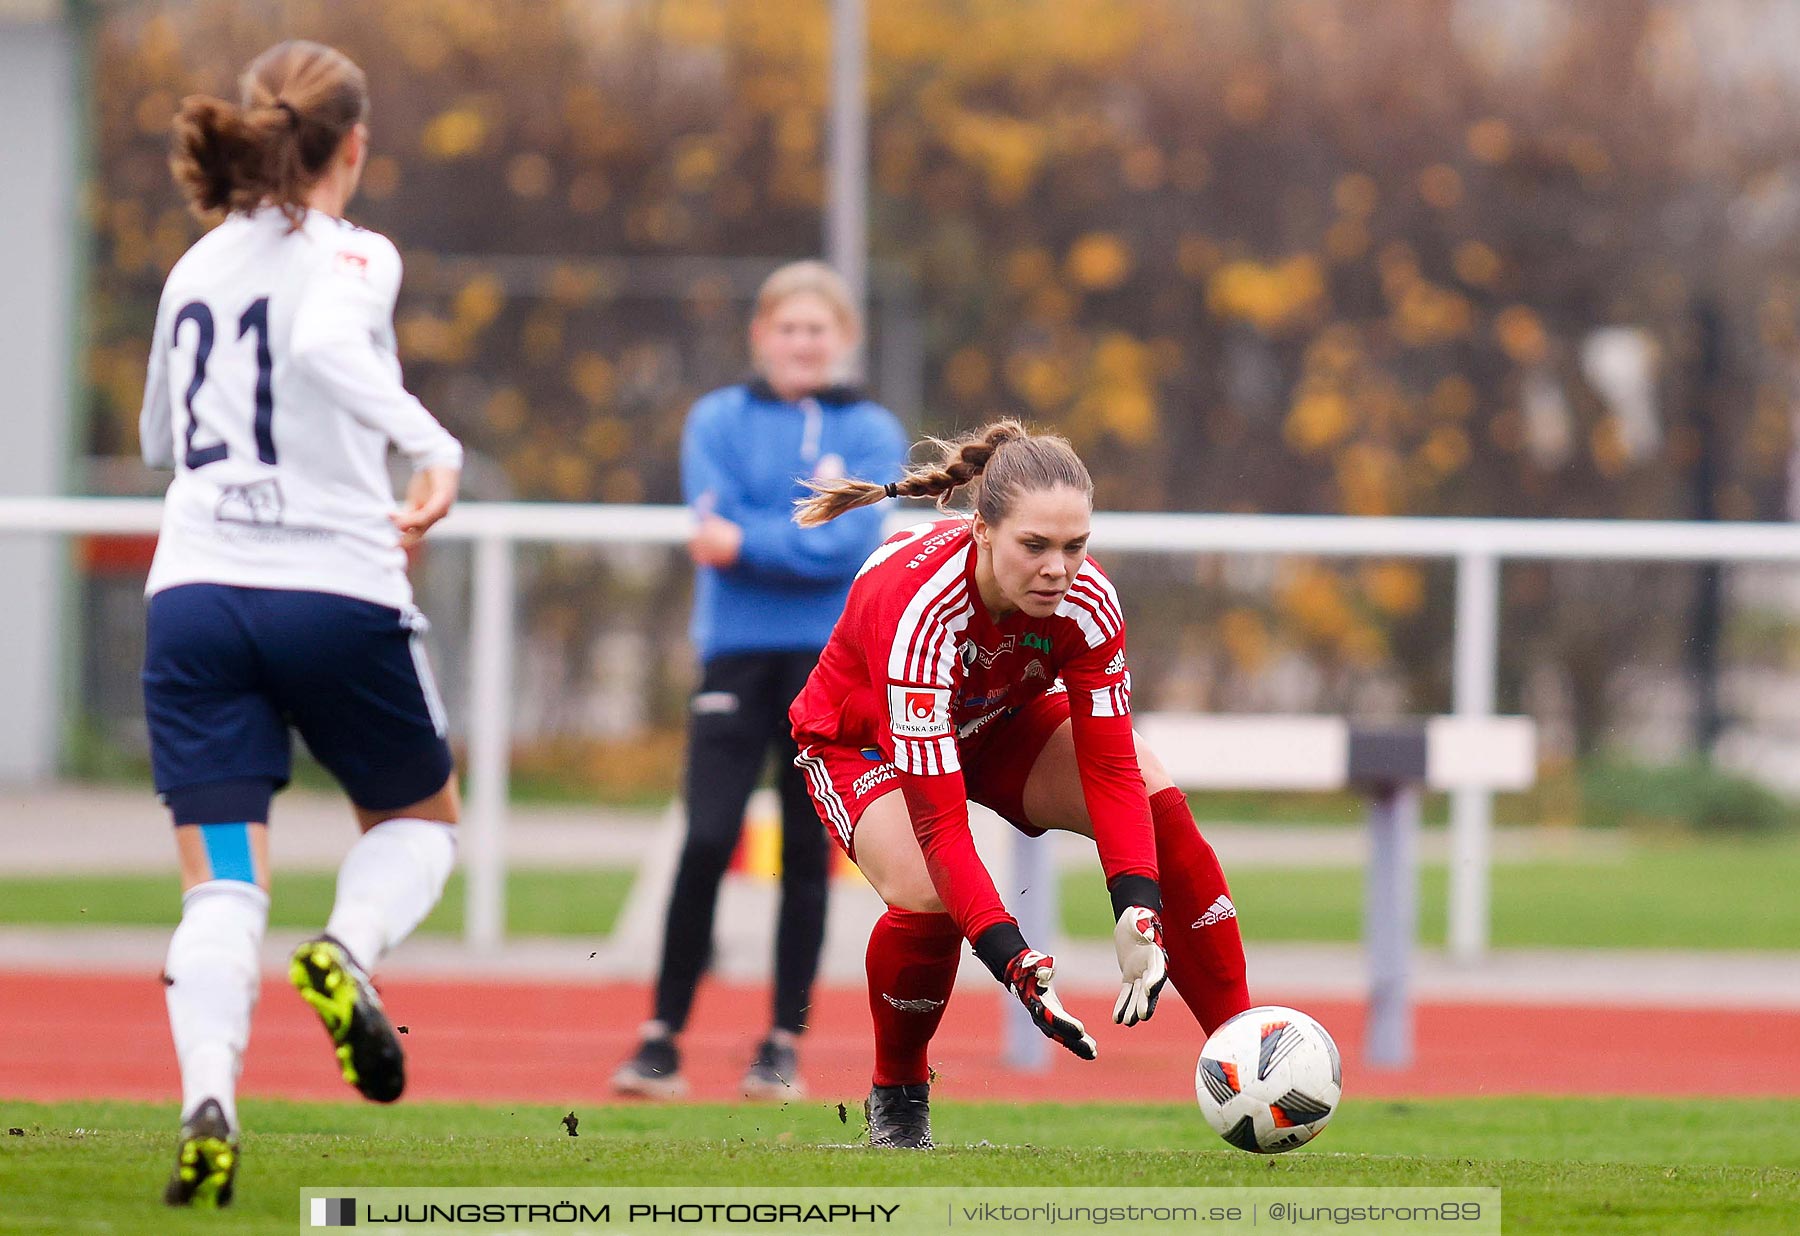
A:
(1269, 1079)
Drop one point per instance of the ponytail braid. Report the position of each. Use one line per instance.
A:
(961, 462)
(297, 103)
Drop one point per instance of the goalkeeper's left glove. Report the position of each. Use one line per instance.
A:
(1028, 977)
(1143, 964)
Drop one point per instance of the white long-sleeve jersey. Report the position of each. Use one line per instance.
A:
(274, 392)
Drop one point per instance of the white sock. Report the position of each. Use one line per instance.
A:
(391, 878)
(213, 972)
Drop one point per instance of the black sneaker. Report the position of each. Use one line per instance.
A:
(899, 1117)
(774, 1073)
(205, 1160)
(654, 1072)
(363, 1040)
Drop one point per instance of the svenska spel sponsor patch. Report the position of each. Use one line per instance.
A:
(918, 712)
(348, 263)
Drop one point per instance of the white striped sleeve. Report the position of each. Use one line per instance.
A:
(921, 623)
(1112, 701)
(921, 673)
(1093, 606)
(1097, 676)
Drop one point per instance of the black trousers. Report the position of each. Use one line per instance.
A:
(735, 719)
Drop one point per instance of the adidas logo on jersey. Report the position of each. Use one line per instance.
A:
(1117, 663)
(1217, 912)
(913, 1006)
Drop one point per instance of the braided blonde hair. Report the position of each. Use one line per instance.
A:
(996, 462)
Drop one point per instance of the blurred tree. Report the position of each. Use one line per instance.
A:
(1298, 255)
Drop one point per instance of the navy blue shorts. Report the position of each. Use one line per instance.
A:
(228, 670)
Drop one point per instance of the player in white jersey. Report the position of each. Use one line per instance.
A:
(278, 596)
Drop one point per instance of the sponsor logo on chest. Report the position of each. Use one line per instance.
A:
(970, 653)
(987, 699)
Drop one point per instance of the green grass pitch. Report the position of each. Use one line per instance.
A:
(1651, 896)
(1565, 1165)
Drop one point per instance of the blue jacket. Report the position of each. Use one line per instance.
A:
(743, 453)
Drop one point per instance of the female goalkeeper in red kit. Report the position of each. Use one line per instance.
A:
(984, 659)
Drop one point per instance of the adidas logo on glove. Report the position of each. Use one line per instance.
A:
(1217, 912)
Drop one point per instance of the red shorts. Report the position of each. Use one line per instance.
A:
(996, 760)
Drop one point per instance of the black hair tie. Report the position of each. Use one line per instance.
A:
(293, 113)
(893, 490)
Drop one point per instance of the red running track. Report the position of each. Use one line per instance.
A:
(66, 1036)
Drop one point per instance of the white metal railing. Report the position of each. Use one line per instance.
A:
(1477, 546)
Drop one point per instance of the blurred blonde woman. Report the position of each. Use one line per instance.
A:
(766, 596)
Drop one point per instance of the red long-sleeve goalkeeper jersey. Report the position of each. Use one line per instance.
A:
(916, 667)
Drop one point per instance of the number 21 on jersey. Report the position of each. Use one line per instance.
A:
(255, 318)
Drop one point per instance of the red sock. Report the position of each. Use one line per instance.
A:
(1200, 927)
(912, 966)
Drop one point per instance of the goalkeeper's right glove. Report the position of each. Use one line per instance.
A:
(1028, 977)
(1143, 964)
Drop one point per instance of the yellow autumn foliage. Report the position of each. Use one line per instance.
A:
(1395, 588)
(1369, 480)
(1270, 297)
(1356, 194)
(1313, 599)
(428, 337)
(506, 410)
(1320, 419)
(1426, 314)
(1490, 140)
(1245, 637)
(1098, 262)
(1044, 381)
(1119, 391)
(455, 134)
(969, 373)
(1477, 264)
(1007, 150)
(1363, 645)
(1441, 186)
(591, 375)
(1521, 335)
(1453, 398)
(1446, 450)
(1095, 203)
